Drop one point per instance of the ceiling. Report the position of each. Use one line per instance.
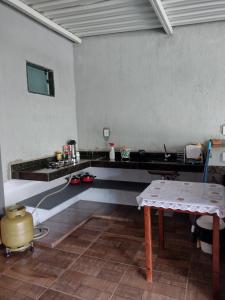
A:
(95, 17)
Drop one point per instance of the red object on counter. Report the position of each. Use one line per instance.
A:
(87, 178)
(75, 180)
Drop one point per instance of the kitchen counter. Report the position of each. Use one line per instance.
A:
(148, 165)
(47, 174)
(37, 169)
(74, 190)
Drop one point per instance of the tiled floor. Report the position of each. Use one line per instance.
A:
(104, 259)
(64, 223)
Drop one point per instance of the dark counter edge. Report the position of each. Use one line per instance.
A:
(31, 175)
(147, 165)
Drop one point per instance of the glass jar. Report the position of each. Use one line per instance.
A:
(125, 154)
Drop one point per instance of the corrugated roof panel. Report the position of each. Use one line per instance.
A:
(93, 17)
(118, 30)
(184, 12)
(140, 10)
(98, 16)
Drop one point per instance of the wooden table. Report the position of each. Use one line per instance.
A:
(183, 197)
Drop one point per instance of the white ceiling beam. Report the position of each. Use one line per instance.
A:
(19, 5)
(161, 13)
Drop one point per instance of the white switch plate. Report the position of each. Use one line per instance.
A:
(106, 133)
(223, 129)
(223, 156)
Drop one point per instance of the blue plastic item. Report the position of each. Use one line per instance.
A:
(205, 174)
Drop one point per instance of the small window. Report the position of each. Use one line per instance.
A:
(40, 80)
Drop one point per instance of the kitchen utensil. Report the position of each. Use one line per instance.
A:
(72, 144)
(75, 180)
(88, 178)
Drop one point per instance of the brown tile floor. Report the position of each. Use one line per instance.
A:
(105, 259)
(64, 223)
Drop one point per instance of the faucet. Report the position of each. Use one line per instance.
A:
(167, 155)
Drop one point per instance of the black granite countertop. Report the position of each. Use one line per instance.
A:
(74, 190)
(149, 165)
(37, 169)
(46, 174)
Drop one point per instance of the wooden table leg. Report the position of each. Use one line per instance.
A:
(148, 242)
(161, 228)
(216, 257)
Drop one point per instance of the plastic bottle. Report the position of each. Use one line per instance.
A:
(112, 152)
(78, 156)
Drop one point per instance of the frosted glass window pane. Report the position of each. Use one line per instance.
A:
(40, 80)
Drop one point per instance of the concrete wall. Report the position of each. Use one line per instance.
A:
(150, 88)
(31, 125)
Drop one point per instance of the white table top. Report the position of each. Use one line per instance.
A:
(189, 196)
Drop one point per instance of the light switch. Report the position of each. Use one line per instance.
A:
(106, 133)
(223, 129)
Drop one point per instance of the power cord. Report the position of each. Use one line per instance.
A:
(39, 231)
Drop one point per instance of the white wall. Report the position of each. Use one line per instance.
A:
(150, 88)
(2, 198)
(31, 125)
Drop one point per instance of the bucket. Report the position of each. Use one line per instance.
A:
(206, 247)
(204, 227)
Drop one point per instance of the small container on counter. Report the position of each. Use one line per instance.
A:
(65, 152)
(58, 155)
(125, 154)
(72, 147)
(78, 157)
(112, 152)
